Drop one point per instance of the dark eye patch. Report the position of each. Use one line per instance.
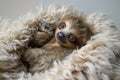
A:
(61, 25)
(72, 38)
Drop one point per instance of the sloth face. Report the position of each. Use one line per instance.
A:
(72, 32)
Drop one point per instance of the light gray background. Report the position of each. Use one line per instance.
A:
(15, 8)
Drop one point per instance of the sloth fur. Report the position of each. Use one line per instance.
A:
(99, 59)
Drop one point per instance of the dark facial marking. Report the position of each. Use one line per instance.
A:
(71, 38)
(61, 25)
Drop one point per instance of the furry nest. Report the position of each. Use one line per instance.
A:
(97, 60)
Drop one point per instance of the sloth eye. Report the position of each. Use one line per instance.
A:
(72, 38)
(62, 25)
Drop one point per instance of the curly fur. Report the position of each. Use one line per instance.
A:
(99, 59)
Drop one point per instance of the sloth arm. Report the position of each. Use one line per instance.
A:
(40, 37)
(37, 59)
(40, 59)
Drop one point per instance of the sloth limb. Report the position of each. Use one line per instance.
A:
(44, 34)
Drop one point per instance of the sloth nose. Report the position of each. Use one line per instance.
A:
(61, 35)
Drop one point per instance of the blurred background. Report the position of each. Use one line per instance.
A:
(14, 8)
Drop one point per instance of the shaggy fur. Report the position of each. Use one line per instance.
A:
(99, 59)
(70, 33)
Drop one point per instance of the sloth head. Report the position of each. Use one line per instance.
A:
(72, 32)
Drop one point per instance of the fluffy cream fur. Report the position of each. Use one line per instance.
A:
(99, 59)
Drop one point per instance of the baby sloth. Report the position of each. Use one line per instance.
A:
(71, 33)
